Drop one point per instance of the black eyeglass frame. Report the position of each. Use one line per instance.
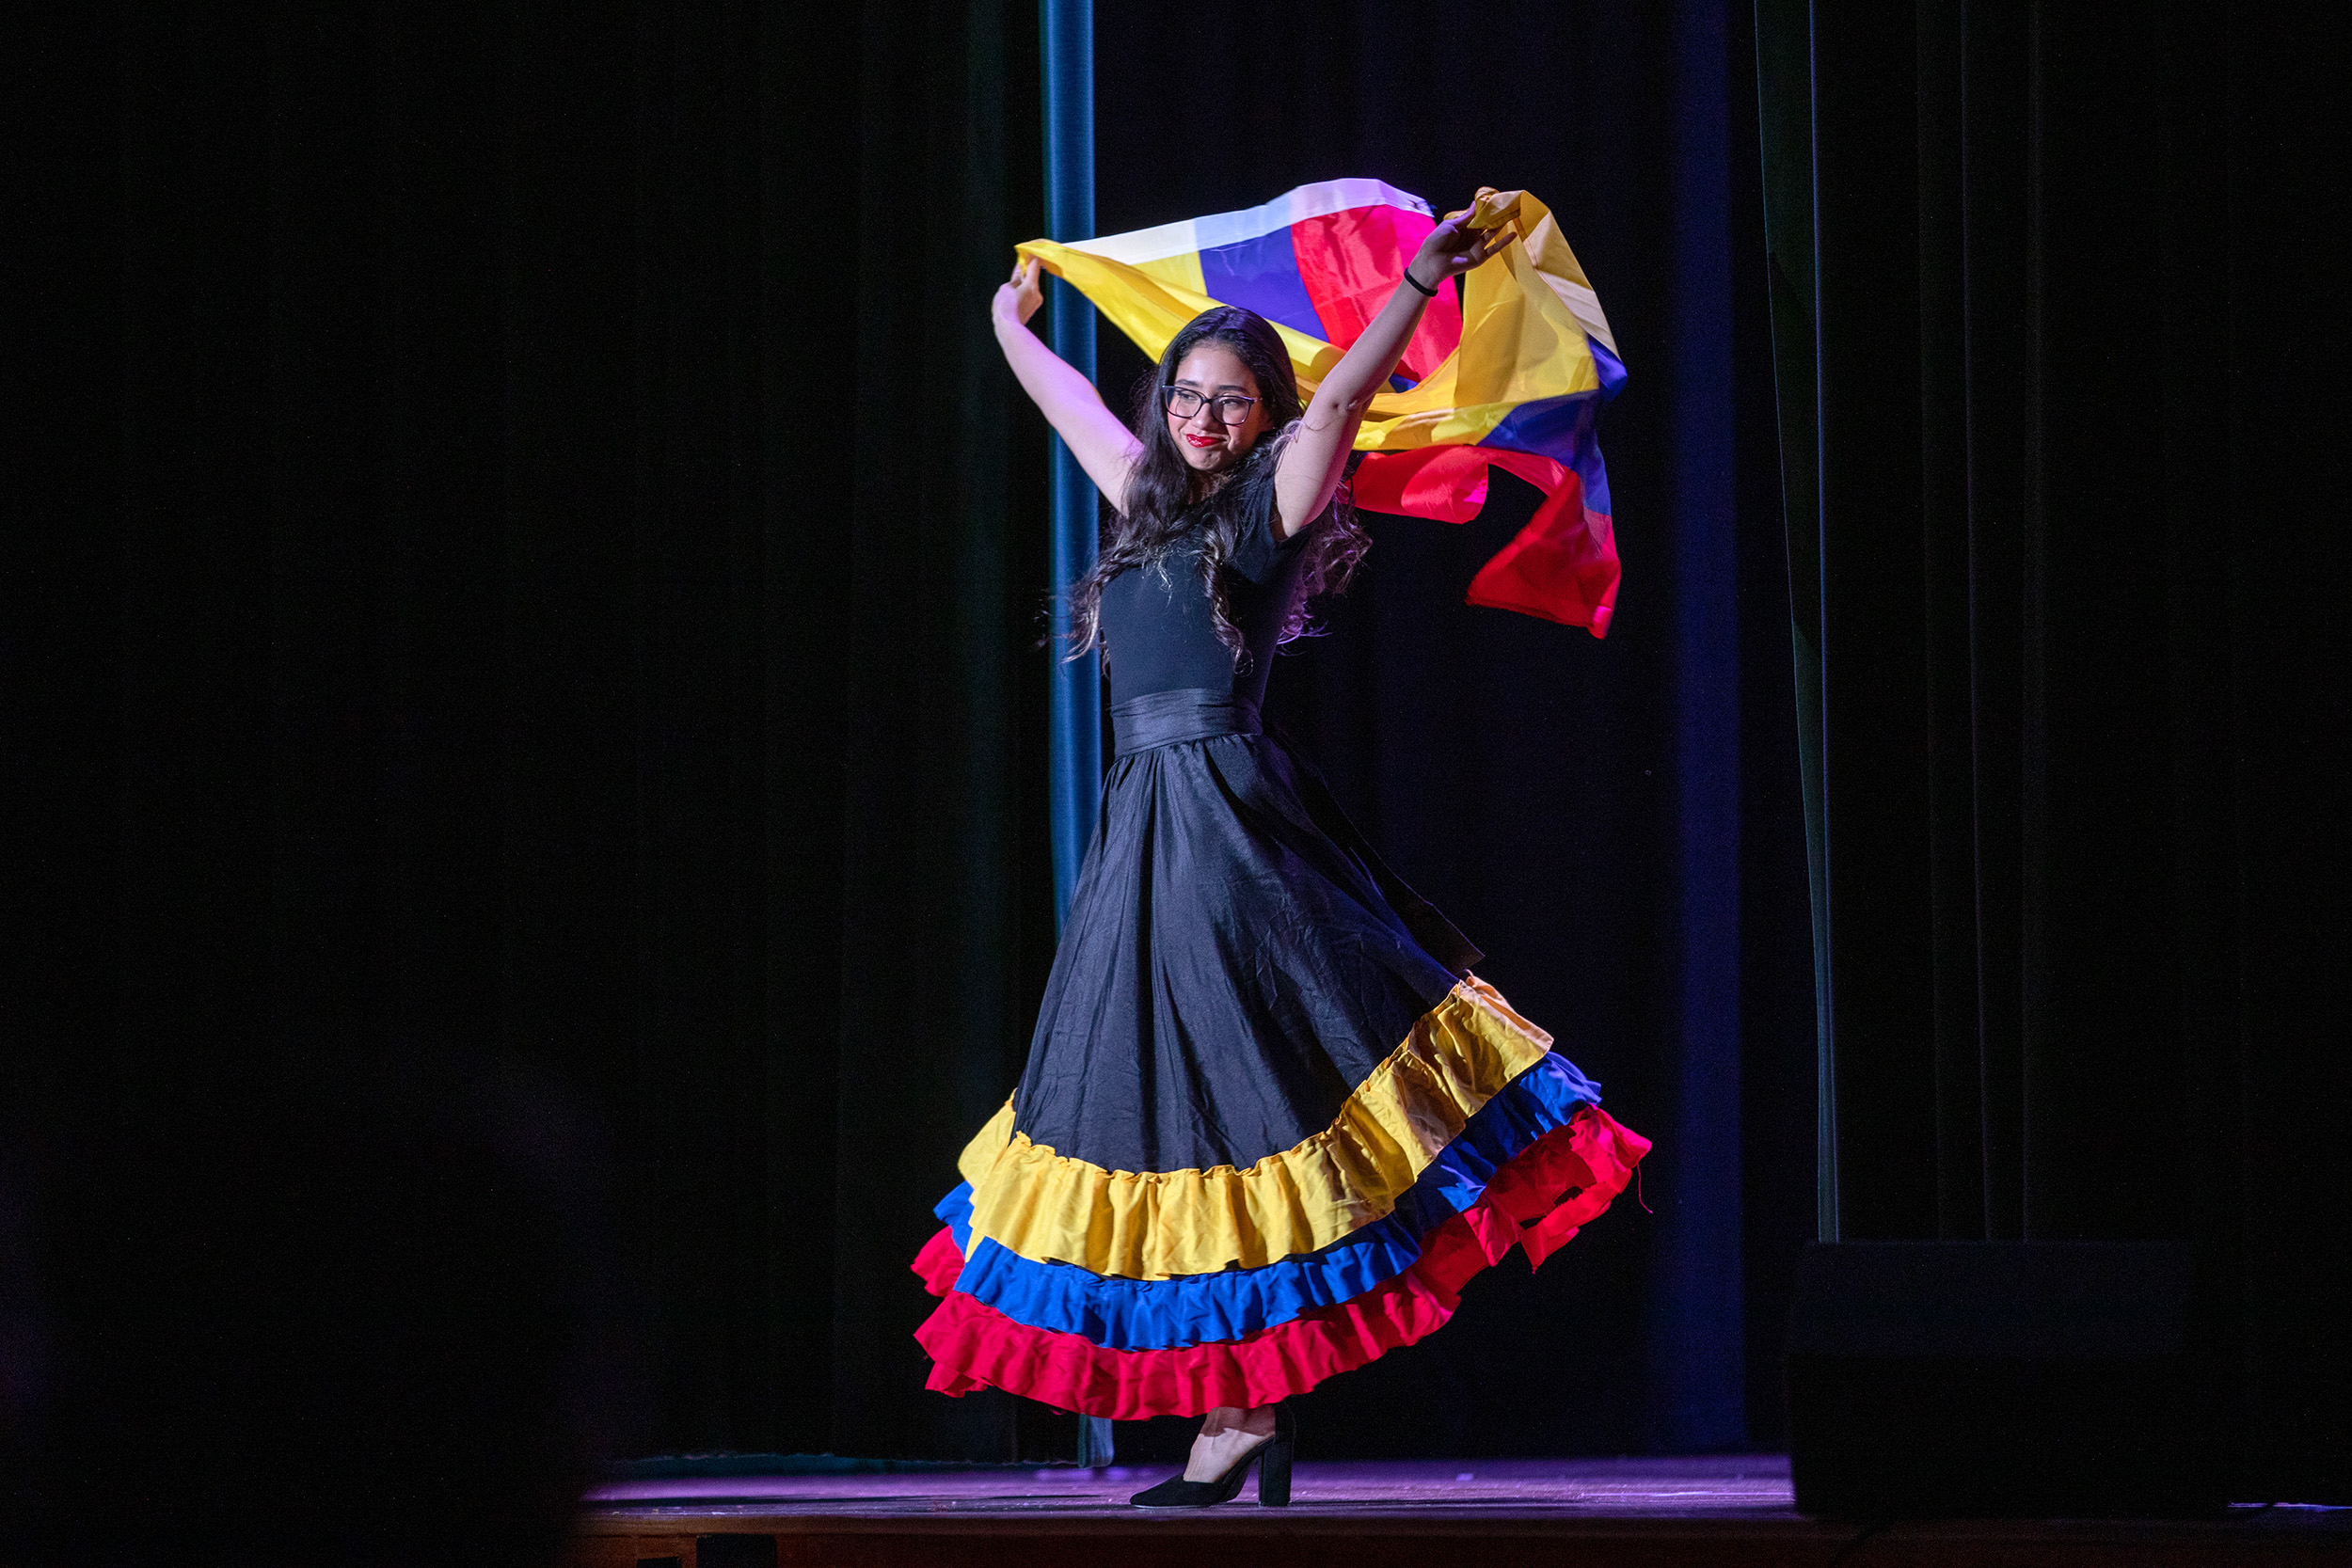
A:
(1170, 392)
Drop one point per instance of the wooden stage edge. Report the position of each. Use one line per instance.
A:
(1714, 1513)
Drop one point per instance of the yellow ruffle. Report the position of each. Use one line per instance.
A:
(1156, 1224)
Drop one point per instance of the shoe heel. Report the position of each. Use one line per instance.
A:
(1274, 1467)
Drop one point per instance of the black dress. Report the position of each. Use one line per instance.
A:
(1270, 1122)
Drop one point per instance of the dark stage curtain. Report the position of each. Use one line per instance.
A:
(526, 544)
(1616, 822)
(2059, 342)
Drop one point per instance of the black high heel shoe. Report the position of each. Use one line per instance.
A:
(1272, 1457)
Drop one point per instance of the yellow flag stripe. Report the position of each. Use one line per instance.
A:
(1525, 317)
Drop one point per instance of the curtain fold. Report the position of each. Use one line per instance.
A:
(527, 545)
(533, 554)
(1612, 822)
(2048, 343)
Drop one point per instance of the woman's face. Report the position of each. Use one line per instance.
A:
(1212, 438)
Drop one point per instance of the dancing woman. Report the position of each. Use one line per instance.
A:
(1270, 1122)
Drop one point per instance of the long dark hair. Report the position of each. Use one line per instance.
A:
(1164, 504)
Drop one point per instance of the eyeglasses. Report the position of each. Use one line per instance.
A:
(1229, 409)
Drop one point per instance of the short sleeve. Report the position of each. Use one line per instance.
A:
(1262, 551)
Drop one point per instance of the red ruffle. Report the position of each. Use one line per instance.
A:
(1555, 1185)
(939, 1263)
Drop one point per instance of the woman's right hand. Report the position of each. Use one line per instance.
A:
(1104, 448)
(1018, 300)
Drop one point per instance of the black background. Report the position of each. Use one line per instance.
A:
(1614, 821)
(2052, 297)
(521, 539)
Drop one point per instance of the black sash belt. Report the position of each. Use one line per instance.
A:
(1189, 713)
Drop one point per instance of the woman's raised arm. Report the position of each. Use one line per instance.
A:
(1104, 448)
(1317, 455)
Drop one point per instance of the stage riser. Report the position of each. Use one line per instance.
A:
(1189, 1542)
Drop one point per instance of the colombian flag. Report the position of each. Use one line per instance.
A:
(1513, 377)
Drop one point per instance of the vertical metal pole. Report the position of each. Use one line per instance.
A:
(1074, 750)
(1829, 1222)
(1788, 99)
(1075, 753)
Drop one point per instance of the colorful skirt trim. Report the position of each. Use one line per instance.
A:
(1538, 1202)
(1270, 1122)
(1234, 1303)
(1154, 1225)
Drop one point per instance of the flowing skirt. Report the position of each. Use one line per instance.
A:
(1270, 1123)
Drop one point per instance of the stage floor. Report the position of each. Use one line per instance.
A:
(1483, 1514)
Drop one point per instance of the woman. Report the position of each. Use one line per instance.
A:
(1270, 1122)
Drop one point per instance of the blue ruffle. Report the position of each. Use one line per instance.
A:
(1168, 1314)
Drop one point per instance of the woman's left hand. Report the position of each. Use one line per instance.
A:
(1453, 247)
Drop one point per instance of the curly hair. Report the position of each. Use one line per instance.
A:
(1164, 505)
